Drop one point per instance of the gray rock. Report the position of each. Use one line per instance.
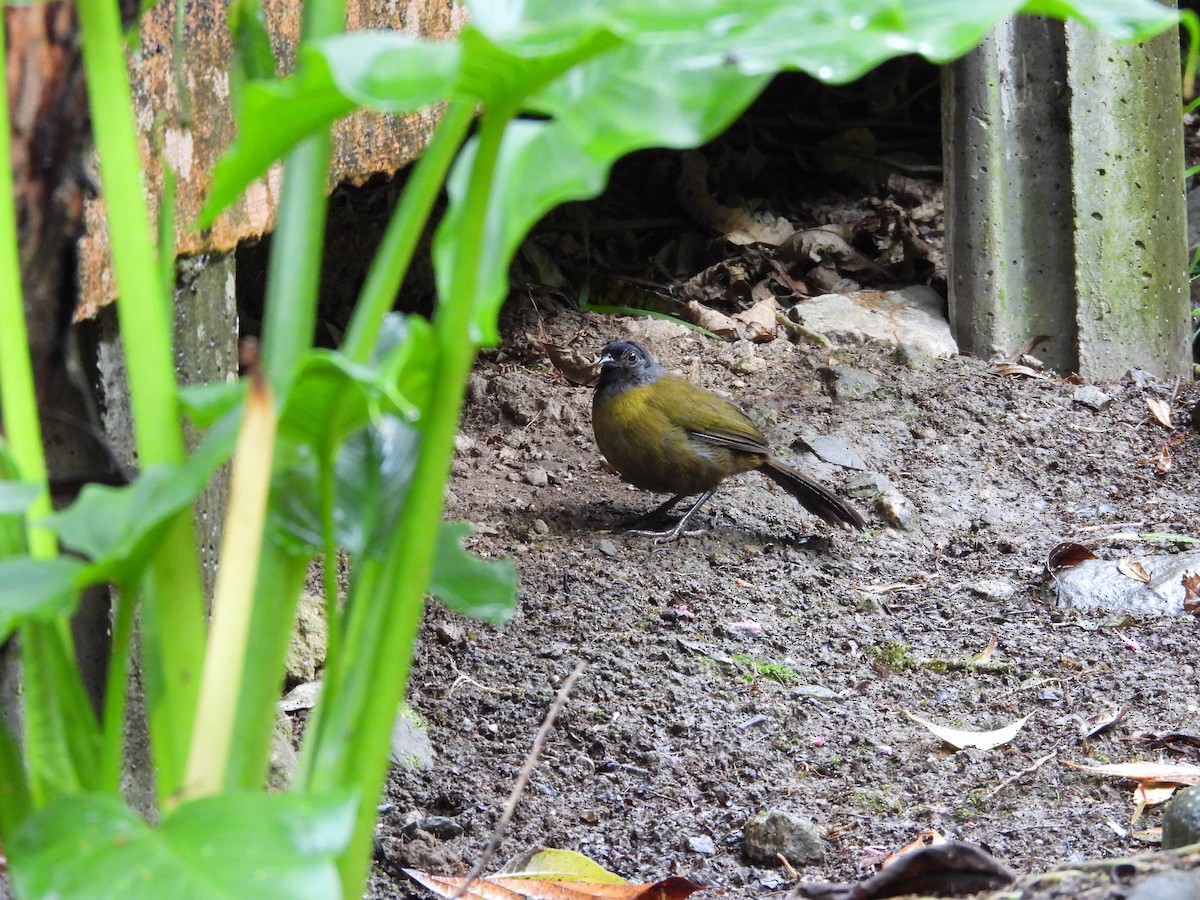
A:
(912, 317)
(833, 450)
(865, 485)
(1100, 584)
(896, 509)
(1181, 819)
(774, 832)
(607, 547)
(1167, 886)
(844, 383)
(992, 589)
(306, 653)
(282, 761)
(1091, 396)
(537, 476)
(411, 747)
(702, 844)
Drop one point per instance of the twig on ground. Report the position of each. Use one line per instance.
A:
(510, 807)
(1007, 781)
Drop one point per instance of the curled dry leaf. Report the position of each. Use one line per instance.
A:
(930, 837)
(1131, 568)
(711, 320)
(1013, 370)
(578, 368)
(509, 888)
(982, 740)
(1166, 773)
(759, 321)
(1094, 724)
(692, 193)
(1162, 462)
(1067, 555)
(1161, 411)
(988, 652)
(1191, 594)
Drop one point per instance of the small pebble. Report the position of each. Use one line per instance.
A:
(607, 547)
(774, 832)
(1091, 396)
(1181, 819)
(540, 527)
(537, 476)
(703, 844)
(1167, 886)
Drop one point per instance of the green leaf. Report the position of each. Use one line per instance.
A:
(388, 71)
(1121, 20)
(467, 584)
(232, 845)
(37, 590)
(205, 404)
(253, 57)
(16, 497)
(119, 528)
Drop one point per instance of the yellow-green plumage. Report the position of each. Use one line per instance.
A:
(664, 434)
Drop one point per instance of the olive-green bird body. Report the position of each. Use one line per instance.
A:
(675, 448)
(664, 434)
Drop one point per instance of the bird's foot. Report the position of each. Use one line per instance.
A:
(670, 534)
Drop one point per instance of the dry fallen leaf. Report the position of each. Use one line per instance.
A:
(1131, 568)
(1161, 412)
(1012, 369)
(760, 320)
(1094, 724)
(982, 740)
(711, 320)
(578, 368)
(988, 652)
(1191, 594)
(508, 888)
(1144, 771)
(1066, 555)
(930, 837)
(1149, 793)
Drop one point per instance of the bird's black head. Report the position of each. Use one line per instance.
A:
(626, 364)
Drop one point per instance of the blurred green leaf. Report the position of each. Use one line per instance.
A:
(480, 588)
(15, 496)
(233, 845)
(37, 590)
(118, 528)
(253, 58)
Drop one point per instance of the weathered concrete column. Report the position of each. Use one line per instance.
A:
(1064, 199)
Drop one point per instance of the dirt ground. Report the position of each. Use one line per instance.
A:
(767, 663)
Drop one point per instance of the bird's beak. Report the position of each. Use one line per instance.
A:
(606, 359)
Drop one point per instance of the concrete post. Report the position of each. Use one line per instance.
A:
(1064, 199)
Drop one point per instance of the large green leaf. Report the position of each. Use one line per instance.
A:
(233, 845)
(118, 528)
(481, 588)
(37, 590)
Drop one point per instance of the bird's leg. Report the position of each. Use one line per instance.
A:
(655, 514)
(662, 537)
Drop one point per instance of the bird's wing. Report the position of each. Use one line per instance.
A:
(712, 419)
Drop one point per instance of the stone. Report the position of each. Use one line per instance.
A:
(1167, 886)
(844, 383)
(992, 589)
(1100, 584)
(773, 832)
(282, 760)
(833, 450)
(411, 747)
(1181, 819)
(912, 317)
(306, 653)
(1092, 397)
(537, 476)
(702, 844)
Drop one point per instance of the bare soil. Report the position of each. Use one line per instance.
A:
(767, 663)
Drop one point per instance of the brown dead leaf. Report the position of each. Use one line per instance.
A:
(576, 367)
(1094, 724)
(745, 225)
(1068, 555)
(1161, 411)
(930, 837)
(1013, 370)
(1191, 594)
(1131, 568)
(945, 870)
(1026, 348)
(1162, 462)
(760, 321)
(711, 320)
(506, 888)
(988, 652)
(1144, 771)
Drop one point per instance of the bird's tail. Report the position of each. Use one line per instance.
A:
(815, 497)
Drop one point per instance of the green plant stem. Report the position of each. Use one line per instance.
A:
(404, 231)
(173, 621)
(404, 572)
(333, 626)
